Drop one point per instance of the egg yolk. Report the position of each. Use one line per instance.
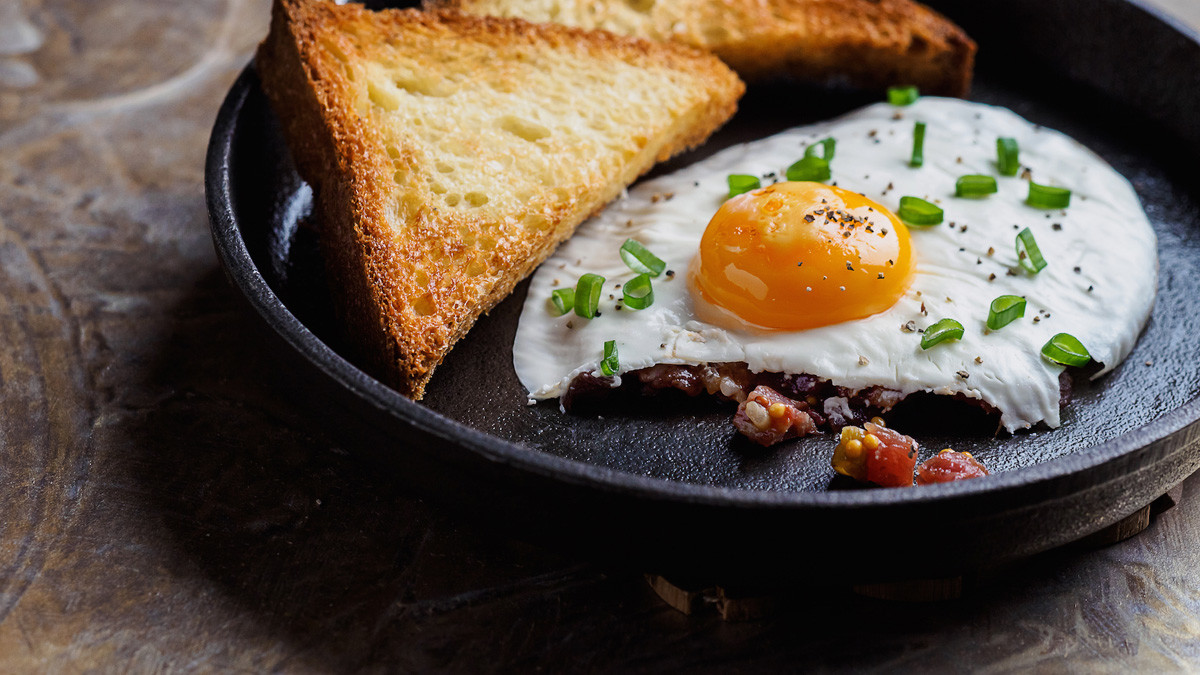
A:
(799, 255)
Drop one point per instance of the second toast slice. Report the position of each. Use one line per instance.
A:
(450, 154)
(869, 43)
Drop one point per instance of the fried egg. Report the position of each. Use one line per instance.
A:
(825, 279)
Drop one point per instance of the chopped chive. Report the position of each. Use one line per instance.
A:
(1048, 197)
(611, 363)
(918, 153)
(562, 300)
(917, 211)
(1007, 155)
(811, 168)
(587, 295)
(638, 291)
(903, 95)
(1065, 349)
(740, 183)
(946, 329)
(639, 259)
(1028, 252)
(827, 146)
(1004, 310)
(975, 186)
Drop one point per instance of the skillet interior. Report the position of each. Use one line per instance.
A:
(689, 440)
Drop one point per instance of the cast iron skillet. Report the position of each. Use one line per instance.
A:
(673, 489)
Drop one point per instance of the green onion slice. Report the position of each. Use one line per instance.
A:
(903, 95)
(639, 259)
(562, 300)
(639, 293)
(1007, 155)
(611, 363)
(946, 329)
(827, 146)
(740, 182)
(918, 154)
(1067, 350)
(587, 295)
(917, 211)
(975, 186)
(810, 168)
(1028, 252)
(1048, 197)
(1005, 310)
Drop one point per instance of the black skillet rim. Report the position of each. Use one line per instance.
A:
(244, 274)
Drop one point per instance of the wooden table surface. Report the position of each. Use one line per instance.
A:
(164, 509)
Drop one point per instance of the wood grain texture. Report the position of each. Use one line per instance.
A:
(163, 508)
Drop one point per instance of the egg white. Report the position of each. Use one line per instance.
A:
(1104, 233)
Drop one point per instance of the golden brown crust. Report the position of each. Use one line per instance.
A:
(869, 43)
(413, 262)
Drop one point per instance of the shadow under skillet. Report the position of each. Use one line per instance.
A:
(692, 441)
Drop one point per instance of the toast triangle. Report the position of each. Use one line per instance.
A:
(449, 154)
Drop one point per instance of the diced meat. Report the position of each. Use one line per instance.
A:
(664, 376)
(876, 454)
(825, 405)
(881, 399)
(586, 388)
(949, 465)
(728, 380)
(768, 417)
(800, 387)
(892, 463)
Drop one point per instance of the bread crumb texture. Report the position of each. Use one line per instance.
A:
(462, 150)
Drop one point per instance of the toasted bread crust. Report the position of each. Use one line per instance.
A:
(870, 43)
(413, 267)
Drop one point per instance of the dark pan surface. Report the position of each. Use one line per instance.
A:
(1138, 420)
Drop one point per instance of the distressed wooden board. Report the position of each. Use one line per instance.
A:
(165, 509)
